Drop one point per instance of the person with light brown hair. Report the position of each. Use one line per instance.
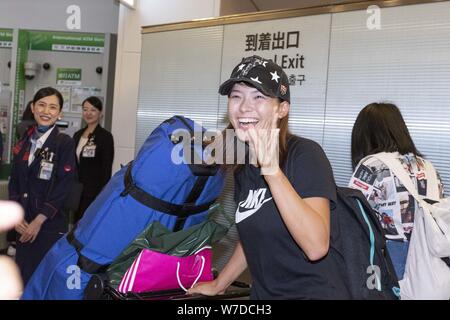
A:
(283, 196)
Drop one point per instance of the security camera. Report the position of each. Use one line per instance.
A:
(31, 68)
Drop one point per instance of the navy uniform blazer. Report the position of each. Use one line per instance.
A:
(94, 173)
(43, 196)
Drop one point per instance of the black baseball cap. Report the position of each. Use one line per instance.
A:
(263, 74)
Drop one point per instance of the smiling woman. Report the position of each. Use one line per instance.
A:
(42, 169)
(95, 154)
(47, 110)
(283, 198)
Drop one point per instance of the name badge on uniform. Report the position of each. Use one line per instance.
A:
(89, 151)
(45, 170)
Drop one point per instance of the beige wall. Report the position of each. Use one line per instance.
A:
(96, 16)
(148, 12)
(228, 7)
(151, 12)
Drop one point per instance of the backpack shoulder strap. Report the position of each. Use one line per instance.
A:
(397, 169)
(432, 181)
(353, 199)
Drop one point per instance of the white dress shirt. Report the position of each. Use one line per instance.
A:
(37, 144)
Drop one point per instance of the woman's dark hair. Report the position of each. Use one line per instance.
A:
(380, 127)
(96, 102)
(27, 113)
(47, 92)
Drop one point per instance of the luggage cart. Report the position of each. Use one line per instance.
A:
(98, 289)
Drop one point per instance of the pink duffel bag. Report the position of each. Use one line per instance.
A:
(155, 271)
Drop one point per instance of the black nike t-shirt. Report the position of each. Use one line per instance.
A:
(279, 267)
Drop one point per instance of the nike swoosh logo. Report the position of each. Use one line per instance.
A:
(244, 215)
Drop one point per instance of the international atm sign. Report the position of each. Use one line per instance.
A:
(6, 38)
(67, 41)
(68, 76)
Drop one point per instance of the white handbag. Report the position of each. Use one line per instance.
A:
(426, 275)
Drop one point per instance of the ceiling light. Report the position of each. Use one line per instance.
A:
(129, 3)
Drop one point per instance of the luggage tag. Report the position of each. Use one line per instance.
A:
(89, 149)
(46, 166)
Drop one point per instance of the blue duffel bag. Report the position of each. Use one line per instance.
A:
(151, 188)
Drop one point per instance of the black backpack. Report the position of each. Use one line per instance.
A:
(358, 240)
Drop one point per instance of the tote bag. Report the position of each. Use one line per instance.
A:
(427, 276)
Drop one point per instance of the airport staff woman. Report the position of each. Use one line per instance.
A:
(95, 154)
(43, 165)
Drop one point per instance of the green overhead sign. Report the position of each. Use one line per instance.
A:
(67, 41)
(6, 38)
(68, 76)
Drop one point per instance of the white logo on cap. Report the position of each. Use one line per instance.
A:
(256, 80)
(275, 76)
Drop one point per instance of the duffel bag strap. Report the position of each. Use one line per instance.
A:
(84, 263)
(191, 199)
(180, 211)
